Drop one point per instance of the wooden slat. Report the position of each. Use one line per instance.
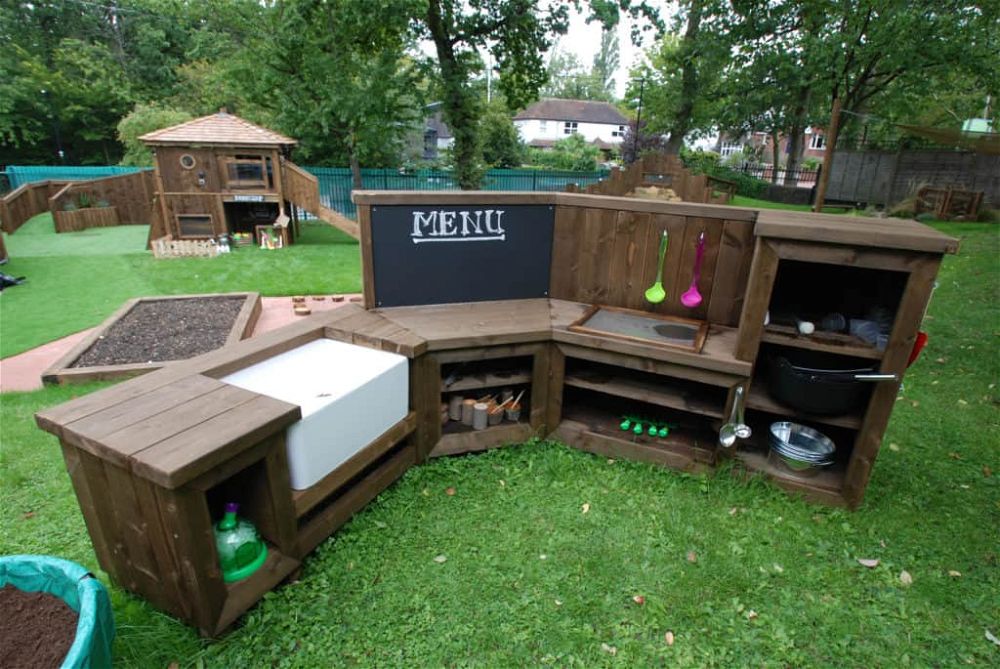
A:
(244, 594)
(481, 440)
(847, 256)
(367, 255)
(732, 273)
(486, 380)
(158, 426)
(757, 300)
(715, 356)
(187, 521)
(189, 453)
(650, 393)
(475, 324)
(758, 398)
(329, 519)
(557, 371)
(305, 500)
(824, 488)
(671, 453)
(886, 233)
(644, 364)
(830, 342)
(911, 310)
(89, 485)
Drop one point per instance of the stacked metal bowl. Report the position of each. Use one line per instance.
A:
(802, 449)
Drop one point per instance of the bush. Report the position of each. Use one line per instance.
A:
(707, 162)
(571, 153)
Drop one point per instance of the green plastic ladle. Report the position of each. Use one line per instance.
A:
(655, 293)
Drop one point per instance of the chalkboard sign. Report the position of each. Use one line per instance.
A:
(438, 254)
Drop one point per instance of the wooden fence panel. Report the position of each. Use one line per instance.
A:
(130, 194)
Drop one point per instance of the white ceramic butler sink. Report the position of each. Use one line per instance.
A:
(349, 395)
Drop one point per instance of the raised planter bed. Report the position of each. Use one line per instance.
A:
(82, 219)
(150, 332)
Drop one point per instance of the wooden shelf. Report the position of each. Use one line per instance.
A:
(828, 342)
(467, 440)
(660, 394)
(242, 594)
(758, 398)
(824, 486)
(690, 447)
(480, 381)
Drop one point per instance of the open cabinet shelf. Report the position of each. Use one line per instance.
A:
(590, 421)
(486, 380)
(758, 398)
(827, 342)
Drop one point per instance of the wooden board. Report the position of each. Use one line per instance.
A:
(641, 327)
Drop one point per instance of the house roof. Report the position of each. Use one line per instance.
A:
(221, 128)
(583, 111)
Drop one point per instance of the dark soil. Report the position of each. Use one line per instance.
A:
(163, 330)
(36, 629)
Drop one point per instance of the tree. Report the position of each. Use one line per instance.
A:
(517, 33)
(501, 144)
(682, 79)
(142, 119)
(606, 64)
(334, 74)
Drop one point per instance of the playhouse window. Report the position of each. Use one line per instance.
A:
(195, 225)
(245, 172)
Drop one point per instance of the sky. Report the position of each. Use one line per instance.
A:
(584, 41)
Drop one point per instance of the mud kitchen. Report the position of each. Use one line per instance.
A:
(676, 333)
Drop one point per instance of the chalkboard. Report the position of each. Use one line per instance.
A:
(439, 254)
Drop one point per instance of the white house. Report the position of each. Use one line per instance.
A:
(549, 120)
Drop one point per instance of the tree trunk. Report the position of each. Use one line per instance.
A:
(459, 106)
(795, 132)
(356, 183)
(831, 141)
(689, 80)
(775, 155)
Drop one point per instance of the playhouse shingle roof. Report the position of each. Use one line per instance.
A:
(221, 128)
(582, 111)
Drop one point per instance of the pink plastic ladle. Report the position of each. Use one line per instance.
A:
(691, 297)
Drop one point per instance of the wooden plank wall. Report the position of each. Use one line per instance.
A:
(608, 256)
(878, 177)
(300, 187)
(130, 194)
(25, 202)
(657, 169)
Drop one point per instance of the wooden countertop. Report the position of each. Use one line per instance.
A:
(178, 423)
(883, 233)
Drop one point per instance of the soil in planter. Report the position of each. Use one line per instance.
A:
(163, 330)
(36, 629)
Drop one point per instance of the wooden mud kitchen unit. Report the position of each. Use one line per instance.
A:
(476, 303)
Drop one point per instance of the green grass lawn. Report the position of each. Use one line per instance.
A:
(754, 203)
(77, 279)
(531, 580)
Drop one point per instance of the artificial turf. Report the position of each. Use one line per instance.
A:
(77, 279)
(738, 572)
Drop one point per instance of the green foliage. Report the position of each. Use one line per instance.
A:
(335, 75)
(708, 162)
(142, 119)
(501, 143)
(571, 153)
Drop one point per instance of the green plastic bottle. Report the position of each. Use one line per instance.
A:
(241, 550)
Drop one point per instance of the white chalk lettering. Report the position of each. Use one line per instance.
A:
(446, 227)
(422, 220)
(494, 230)
(466, 220)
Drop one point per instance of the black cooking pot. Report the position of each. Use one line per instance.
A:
(812, 382)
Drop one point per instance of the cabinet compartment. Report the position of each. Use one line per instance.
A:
(591, 422)
(827, 485)
(761, 397)
(646, 387)
(485, 374)
(813, 290)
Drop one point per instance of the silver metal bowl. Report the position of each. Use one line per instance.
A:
(802, 449)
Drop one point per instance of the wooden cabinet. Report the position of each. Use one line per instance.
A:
(865, 269)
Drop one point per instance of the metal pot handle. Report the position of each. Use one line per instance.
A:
(876, 377)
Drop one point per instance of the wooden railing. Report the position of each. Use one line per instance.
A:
(26, 202)
(130, 194)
